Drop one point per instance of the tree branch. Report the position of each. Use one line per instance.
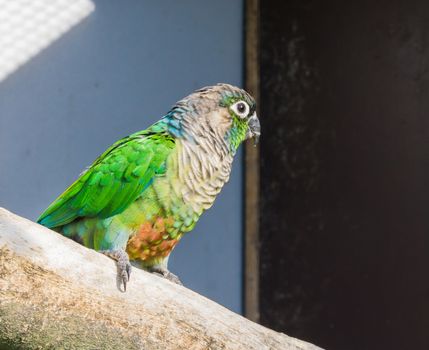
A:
(55, 293)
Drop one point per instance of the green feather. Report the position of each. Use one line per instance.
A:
(114, 180)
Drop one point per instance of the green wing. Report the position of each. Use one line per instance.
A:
(113, 181)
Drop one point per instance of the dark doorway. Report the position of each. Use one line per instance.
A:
(345, 172)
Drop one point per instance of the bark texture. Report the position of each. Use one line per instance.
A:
(56, 294)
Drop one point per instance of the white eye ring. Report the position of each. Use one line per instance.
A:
(241, 108)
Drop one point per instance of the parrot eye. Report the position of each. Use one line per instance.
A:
(241, 108)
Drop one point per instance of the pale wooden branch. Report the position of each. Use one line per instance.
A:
(56, 294)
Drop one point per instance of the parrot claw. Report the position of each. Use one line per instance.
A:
(163, 272)
(122, 263)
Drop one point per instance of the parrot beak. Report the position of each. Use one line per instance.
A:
(254, 128)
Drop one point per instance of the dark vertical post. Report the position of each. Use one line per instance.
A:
(251, 239)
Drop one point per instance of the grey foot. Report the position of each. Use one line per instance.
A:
(163, 272)
(122, 263)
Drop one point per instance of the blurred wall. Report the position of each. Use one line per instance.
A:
(114, 73)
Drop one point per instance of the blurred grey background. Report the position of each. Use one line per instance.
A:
(115, 72)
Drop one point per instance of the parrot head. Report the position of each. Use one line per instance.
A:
(222, 111)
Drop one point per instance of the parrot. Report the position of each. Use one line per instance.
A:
(138, 199)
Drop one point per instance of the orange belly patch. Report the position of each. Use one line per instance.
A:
(151, 241)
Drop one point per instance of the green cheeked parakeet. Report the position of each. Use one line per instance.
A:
(143, 193)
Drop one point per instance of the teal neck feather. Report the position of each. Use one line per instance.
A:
(237, 134)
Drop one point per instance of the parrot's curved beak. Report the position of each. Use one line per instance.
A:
(254, 127)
